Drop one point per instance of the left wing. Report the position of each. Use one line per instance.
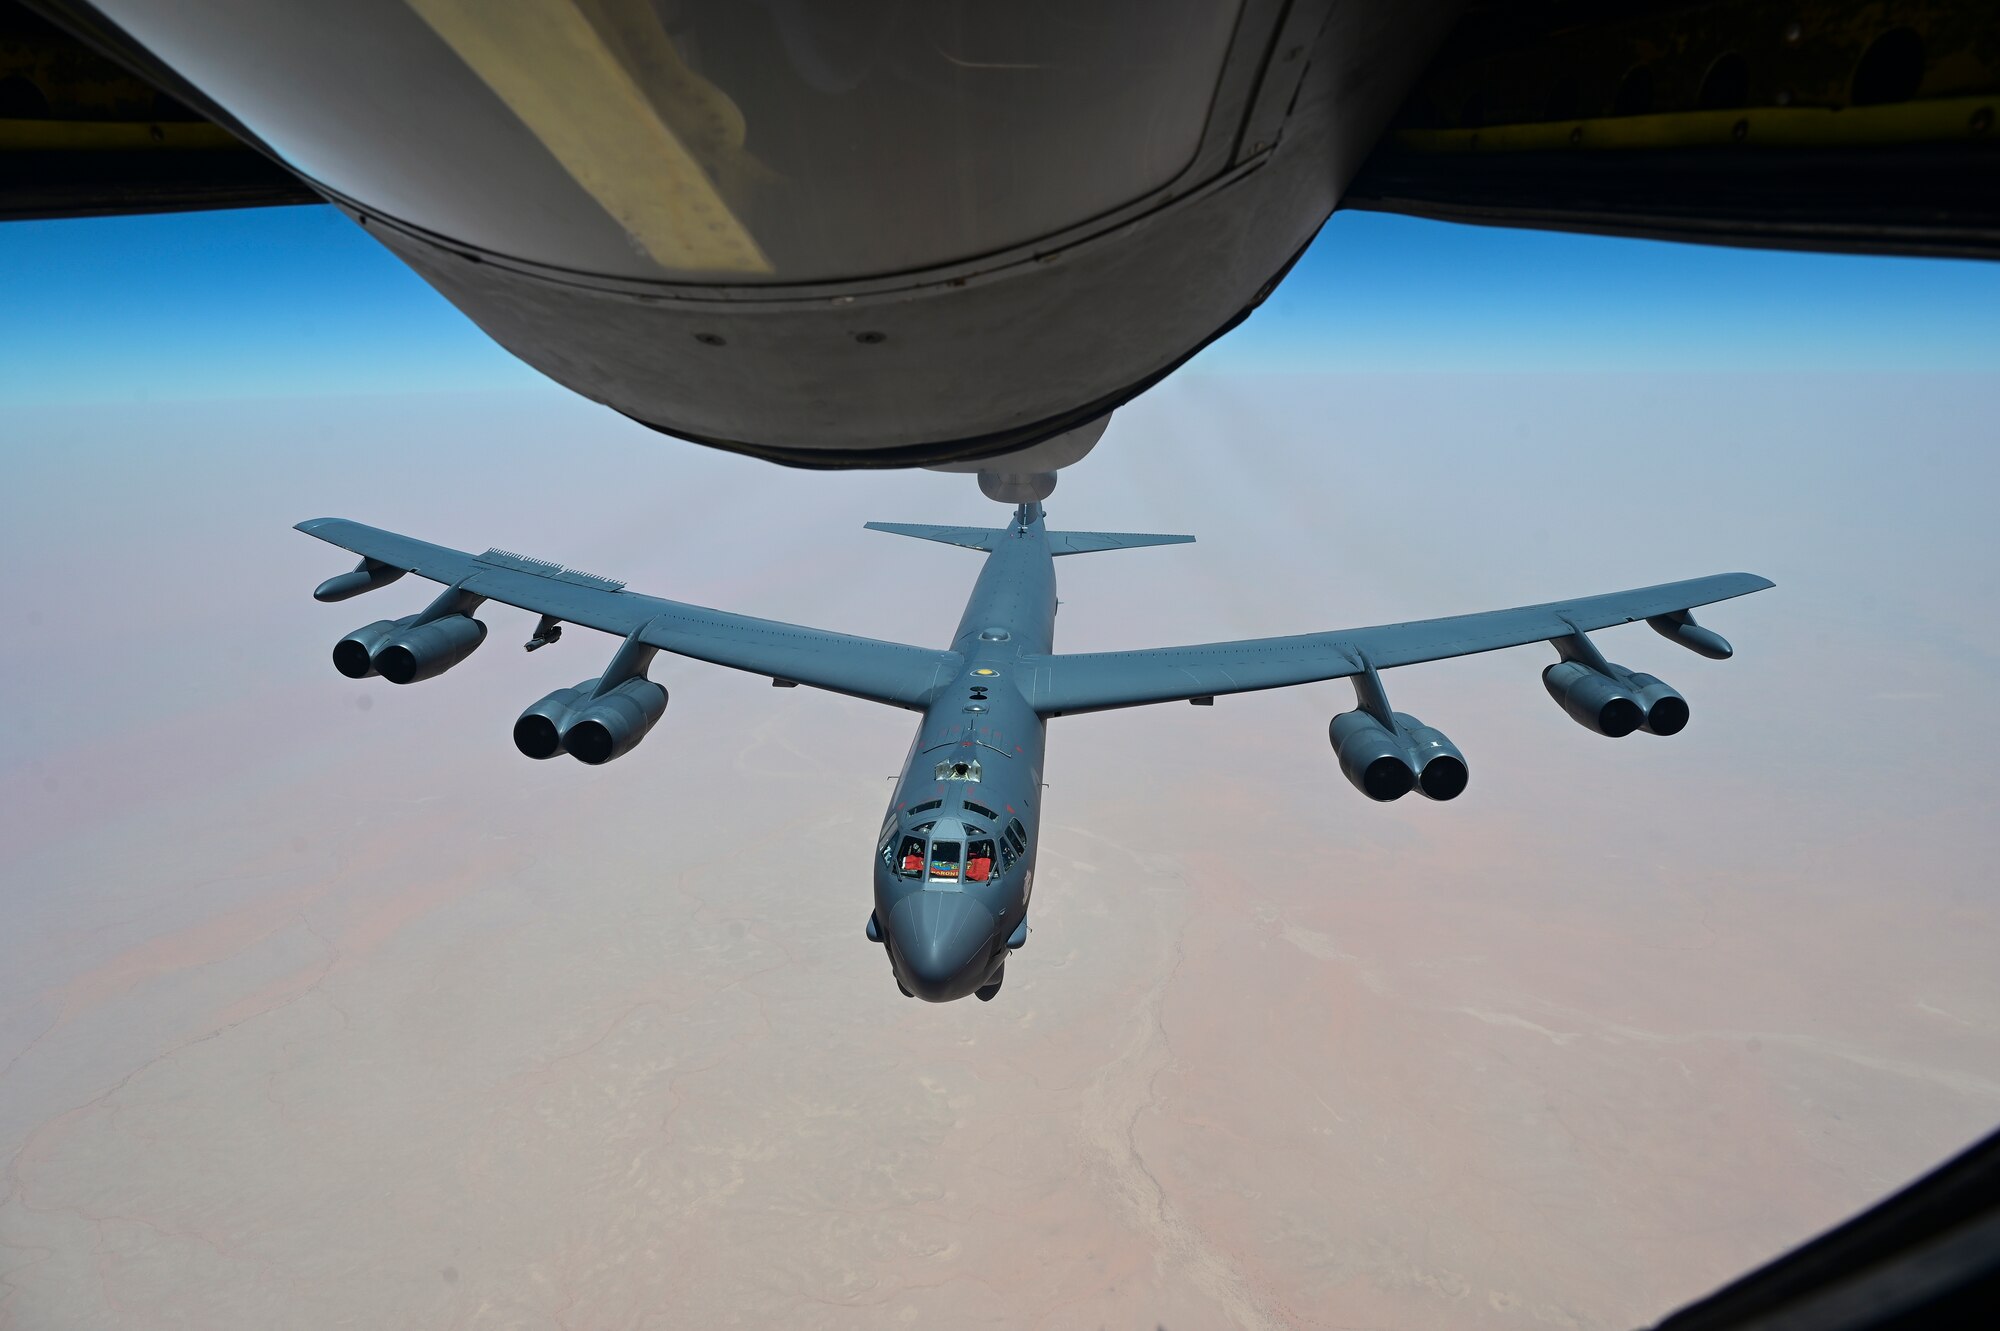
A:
(885, 672)
(1093, 681)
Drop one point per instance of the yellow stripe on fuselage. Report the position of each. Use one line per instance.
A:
(555, 71)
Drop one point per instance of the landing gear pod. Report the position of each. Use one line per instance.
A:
(1594, 701)
(615, 721)
(428, 650)
(354, 655)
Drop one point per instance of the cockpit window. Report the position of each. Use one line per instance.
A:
(910, 857)
(925, 807)
(978, 861)
(1017, 837)
(980, 809)
(944, 860)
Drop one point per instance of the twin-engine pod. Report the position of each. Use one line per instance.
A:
(404, 650)
(1386, 764)
(354, 655)
(590, 726)
(1615, 701)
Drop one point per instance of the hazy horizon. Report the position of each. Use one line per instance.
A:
(319, 1003)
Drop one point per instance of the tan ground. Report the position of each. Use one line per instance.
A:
(320, 1007)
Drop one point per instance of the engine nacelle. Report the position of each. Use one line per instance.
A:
(1376, 761)
(1441, 769)
(1666, 710)
(354, 655)
(539, 731)
(1594, 701)
(614, 722)
(428, 650)
(1386, 764)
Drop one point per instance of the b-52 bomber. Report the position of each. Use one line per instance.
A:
(955, 860)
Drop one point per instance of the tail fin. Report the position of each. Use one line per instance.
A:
(1060, 542)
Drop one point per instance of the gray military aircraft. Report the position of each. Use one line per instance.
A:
(955, 860)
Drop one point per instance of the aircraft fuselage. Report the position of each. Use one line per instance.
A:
(955, 859)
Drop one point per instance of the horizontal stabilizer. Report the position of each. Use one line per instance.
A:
(972, 538)
(1084, 542)
(1060, 542)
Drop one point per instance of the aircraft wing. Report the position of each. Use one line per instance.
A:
(1094, 681)
(885, 672)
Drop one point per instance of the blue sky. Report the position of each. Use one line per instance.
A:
(277, 302)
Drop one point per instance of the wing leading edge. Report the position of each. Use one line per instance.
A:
(1096, 681)
(886, 672)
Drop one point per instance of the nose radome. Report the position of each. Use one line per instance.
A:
(942, 941)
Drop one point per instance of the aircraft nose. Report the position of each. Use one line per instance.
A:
(943, 942)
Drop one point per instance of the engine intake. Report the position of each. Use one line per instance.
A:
(1386, 764)
(354, 655)
(1441, 769)
(614, 722)
(539, 731)
(1666, 710)
(1594, 701)
(591, 729)
(428, 650)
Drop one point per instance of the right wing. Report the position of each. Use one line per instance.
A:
(885, 672)
(1061, 684)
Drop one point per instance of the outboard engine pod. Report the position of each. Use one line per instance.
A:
(429, 649)
(614, 722)
(1441, 769)
(539, 731)
(354, 655)
(1666, 710)
(1594, 701)
(1375, 761)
